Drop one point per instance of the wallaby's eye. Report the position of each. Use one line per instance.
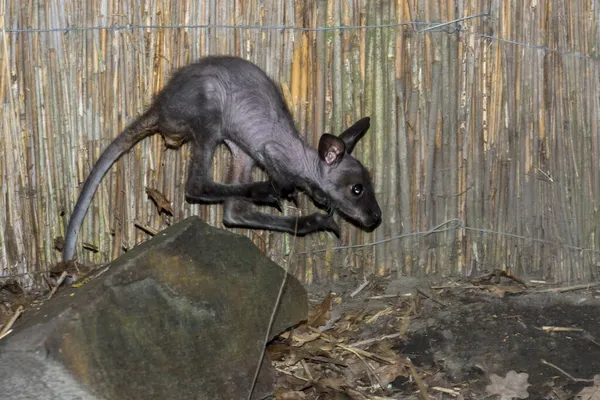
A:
(357, 189)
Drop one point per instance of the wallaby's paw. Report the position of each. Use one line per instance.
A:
(325, 222)
(272, 194)
(332, 226)
(265, 194)
(270, 202)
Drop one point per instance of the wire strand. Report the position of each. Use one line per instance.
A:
(454, 224)
(435, 27)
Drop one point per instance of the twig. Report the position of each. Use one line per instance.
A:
(379, 339)
(498, 273)
(149, 230)
(419, 381)
(90, 247)
(360, 353)
(451, 392)
(91, 275)
(431, 298)
(389, 296)
(360, 288)
(453, 286)
(591, 339)
(306, 370)
(385, 311)
(6, 328)
(559, 329)
(328, 360)
(366, 354)
(569, 288)
(565, 373)
(58, 283)
(290, 374)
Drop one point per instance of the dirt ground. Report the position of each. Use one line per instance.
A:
(494, 337)
(417, 339)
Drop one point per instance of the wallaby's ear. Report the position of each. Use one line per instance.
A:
(331, 149)
(352, 135)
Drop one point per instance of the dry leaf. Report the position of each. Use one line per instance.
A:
(513, 386)
(160, 200)
(318, 348)
(321, 313)
(388, 373)
(355, 395)
(286, 354)
(278, 351)
(300, 338)
(589, 393)
(350, 320)
(287, 394)
(326, 346)
(327, 385)
(500, 292)
(386, 349)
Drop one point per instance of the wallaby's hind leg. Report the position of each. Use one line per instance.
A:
(238, 212)
(201, 188)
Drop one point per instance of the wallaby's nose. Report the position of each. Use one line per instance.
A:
(376, 218)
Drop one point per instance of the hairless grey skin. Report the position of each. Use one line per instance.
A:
(222, 99)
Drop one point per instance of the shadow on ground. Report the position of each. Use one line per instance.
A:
(452, 340)
(479, 334)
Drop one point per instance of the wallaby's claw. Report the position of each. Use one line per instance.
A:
(266, 195)
(332, 226)
(277, 204)
(270, 202)
(269, 193)
(326, 222)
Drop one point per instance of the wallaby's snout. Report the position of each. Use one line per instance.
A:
(375, 219)
(367, 217)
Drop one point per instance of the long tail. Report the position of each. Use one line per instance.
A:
(139, 129)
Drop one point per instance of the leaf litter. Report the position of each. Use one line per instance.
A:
(412, 338)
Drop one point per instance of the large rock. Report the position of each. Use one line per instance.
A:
(182, 316)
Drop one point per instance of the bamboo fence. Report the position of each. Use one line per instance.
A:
(486, 128)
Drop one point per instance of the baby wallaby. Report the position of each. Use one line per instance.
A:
(223, 99)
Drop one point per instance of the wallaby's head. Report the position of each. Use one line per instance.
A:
(346, 184)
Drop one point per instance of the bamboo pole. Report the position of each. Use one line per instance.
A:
(476, 124)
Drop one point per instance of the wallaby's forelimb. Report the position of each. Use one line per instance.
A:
(201, 188)
(238, 212)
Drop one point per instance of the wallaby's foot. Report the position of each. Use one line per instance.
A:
(266, 194)
(317, 222)
(330, 225)
(269, 193)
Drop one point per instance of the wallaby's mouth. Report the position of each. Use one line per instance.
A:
(377, 222)
(374, 224)
(367, 222)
